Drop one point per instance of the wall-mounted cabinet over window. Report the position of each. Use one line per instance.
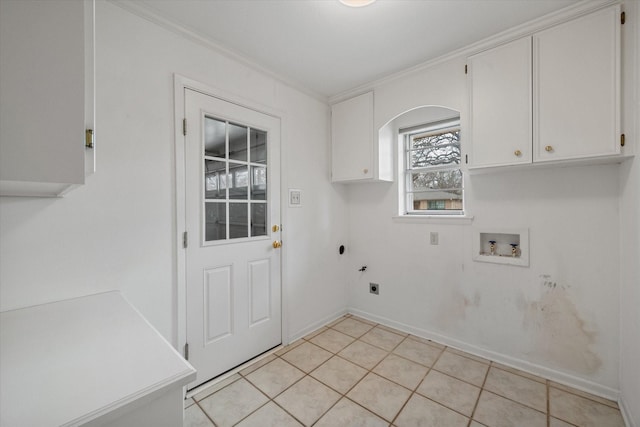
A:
(554, 96)
(356, 153)
(47, 86)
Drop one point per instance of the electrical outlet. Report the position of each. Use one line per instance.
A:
(433, 238)
(374, 288)
(295, 197)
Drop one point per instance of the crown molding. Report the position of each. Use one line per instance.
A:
(155, 17)
(523, 30)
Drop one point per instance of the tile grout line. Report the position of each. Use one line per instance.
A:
(411, 395)
(548, 405)
(307, 339)
(205, 413)
(475, 407)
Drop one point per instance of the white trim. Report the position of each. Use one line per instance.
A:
(317, 325)
(434, 219)
(546, 21)
(180, 84)
(146, 12)
(523, 365)
(626, 413)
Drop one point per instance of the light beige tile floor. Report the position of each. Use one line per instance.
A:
(354, 373)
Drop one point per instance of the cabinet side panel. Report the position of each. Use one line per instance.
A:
(352, 139)
(42, 87)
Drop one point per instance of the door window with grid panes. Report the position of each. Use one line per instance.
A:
(433, 181)
(235, 181)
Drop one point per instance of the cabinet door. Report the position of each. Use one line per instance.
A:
(352, 139)
(43, 66)
(500, 91)
(576, 81)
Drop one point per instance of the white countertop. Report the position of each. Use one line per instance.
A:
(75, 361)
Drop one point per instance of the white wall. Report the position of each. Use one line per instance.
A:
(117, 231)
(630, 231)
(558, 317)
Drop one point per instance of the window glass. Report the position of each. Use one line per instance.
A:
(433, 178)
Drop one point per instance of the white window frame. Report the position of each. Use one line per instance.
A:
(404, 135)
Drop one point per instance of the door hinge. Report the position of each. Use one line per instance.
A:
(466, 158)
(465, 68)
(88, 138)
(185, 240)
(184, 127)
(622, 140)
(186, 350)
(623, 18)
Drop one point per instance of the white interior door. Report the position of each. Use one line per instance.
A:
(233, 224)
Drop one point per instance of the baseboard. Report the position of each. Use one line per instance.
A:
(315, 325)
(523, 365)
(626, 413)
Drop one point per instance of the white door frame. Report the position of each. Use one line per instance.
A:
(180, 83)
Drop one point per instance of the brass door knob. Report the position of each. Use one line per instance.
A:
(548, 148)
(277, 244)
(518, 153)
(275, 228)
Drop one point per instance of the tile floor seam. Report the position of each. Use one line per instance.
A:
(206, 414)
(283, 408)
(281, 392)
(459, 379)
(332, 388)
(469, 356)
(475, 407)
(413, 392)
(402, 408)
(252, 412)
(286, 412)
(548, 404)
(421, 364)
(513, 401)
(520, 375)
(366, 409)
(443, 405)
(584, 397)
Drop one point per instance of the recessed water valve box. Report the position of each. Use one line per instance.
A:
(502, 246)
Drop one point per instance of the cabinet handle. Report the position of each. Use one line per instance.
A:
(518, 153)
(548, 148)
(365, 171)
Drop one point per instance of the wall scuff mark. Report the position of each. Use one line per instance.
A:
(560, 334)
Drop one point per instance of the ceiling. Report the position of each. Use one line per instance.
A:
(328, 48)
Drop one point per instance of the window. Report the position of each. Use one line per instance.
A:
(431, 164)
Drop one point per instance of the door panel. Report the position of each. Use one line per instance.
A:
(260, 301)
(232, 200)
(218, 303)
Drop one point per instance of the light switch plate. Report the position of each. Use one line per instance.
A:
(295, 198)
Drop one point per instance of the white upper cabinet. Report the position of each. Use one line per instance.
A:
(501, 104)
(46, 81)
(355, 152)
(577, 88)
(554, 96)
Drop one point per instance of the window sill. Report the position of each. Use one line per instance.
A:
(434, 219)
